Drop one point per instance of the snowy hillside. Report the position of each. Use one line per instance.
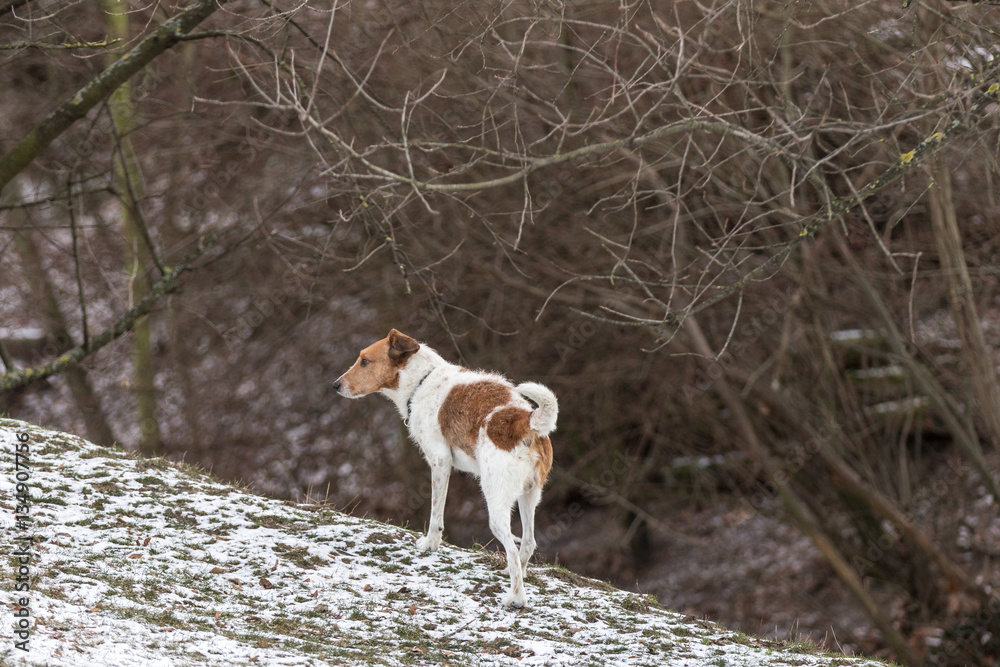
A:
(143, 562)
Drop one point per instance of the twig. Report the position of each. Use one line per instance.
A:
(132, 201)
(812, 224)
(76, 264)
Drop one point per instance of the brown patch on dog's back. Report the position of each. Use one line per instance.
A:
(465, 409)
(509, 427)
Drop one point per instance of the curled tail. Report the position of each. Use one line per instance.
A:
(543, 418)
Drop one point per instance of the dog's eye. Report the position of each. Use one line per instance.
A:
(364, 362)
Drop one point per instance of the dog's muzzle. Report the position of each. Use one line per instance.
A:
(342, 388)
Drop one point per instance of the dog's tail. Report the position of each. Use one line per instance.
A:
(543, 418)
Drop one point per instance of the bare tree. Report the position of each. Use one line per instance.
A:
(710, 226)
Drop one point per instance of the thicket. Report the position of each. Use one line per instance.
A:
(765, 232)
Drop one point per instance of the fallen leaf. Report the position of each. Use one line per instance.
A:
(265, 583)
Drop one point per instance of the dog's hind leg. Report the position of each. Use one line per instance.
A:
(526, 505)
(440, 473)
(499, 502)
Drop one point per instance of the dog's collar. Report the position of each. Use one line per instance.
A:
(409, 401)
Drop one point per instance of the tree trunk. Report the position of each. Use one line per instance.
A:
(976, 356)
(42, 292)
(127, 183)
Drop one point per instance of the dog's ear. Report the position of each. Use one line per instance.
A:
(401, 346)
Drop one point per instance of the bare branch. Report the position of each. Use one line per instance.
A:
(170, 282)
(100, 87)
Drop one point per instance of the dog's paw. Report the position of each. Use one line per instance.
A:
(428, 543)
(515, 600)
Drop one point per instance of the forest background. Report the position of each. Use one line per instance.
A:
(752, 246)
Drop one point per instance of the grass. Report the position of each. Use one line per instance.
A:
(150, 560)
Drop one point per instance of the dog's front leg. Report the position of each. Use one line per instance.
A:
(440, 473)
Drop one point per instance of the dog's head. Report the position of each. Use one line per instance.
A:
(378, 366)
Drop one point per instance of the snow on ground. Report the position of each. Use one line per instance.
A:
(146, 562)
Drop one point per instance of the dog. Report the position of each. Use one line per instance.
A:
(474, 421)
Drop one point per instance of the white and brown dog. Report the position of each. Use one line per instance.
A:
(474, 421)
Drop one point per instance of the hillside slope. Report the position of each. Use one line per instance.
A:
(144, 562)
